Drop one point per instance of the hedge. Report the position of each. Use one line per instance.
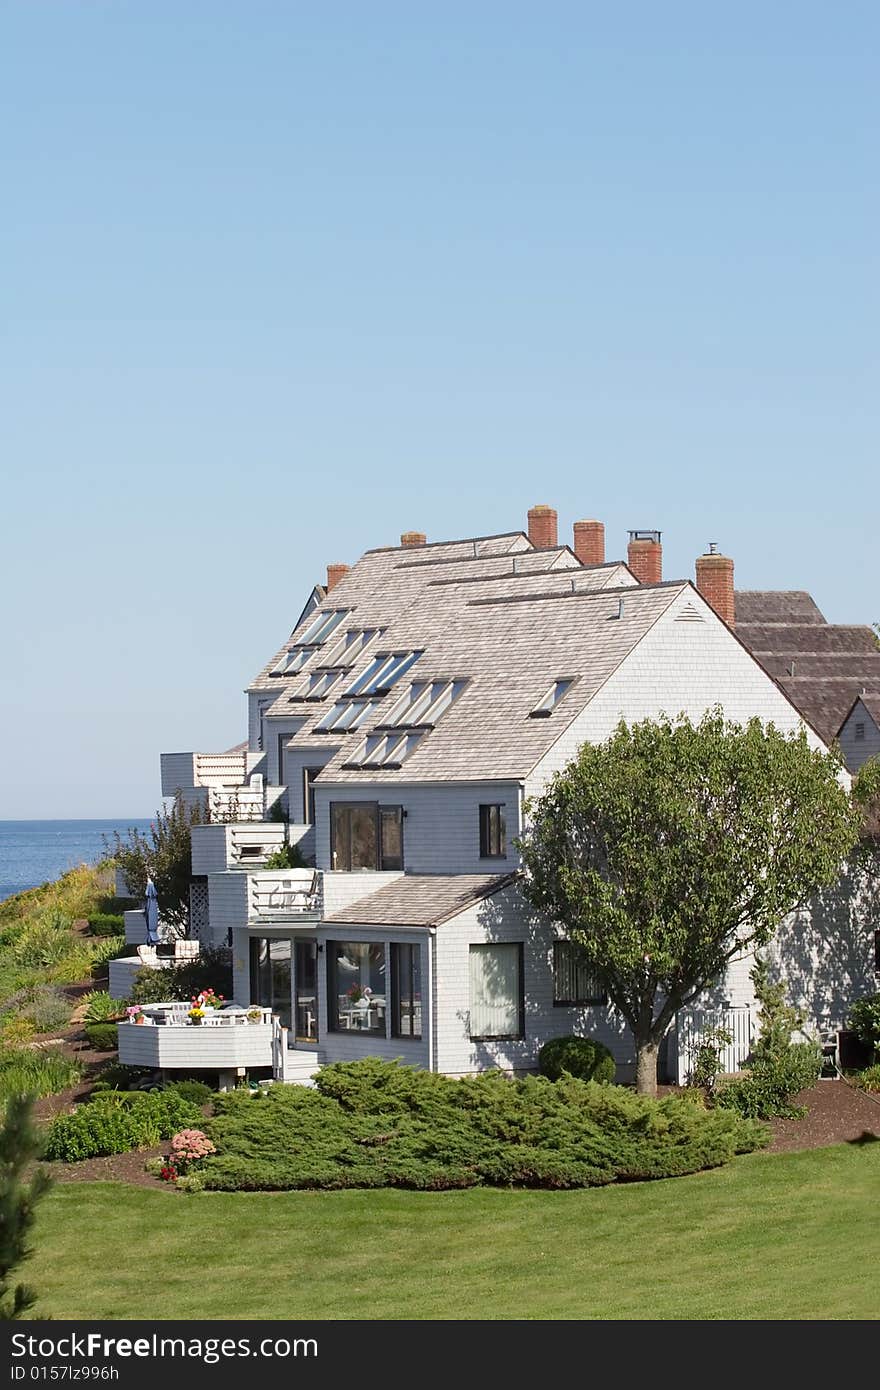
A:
(115, 1121)
(381, 1124)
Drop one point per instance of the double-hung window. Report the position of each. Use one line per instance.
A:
(573, 980)
(493, 838)
(496, 991)
(365, 836)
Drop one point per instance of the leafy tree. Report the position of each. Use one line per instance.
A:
(165, 854)
(674, 846)
(19, 1146)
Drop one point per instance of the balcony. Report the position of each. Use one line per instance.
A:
(227, 784)
(226, 1041)
(285, 895)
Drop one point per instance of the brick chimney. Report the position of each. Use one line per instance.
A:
(589, 542)
(412, 538)
(645, 556)
(715, 582)
(542, 527)
(334, 574)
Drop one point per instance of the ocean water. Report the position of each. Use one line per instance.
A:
(34, 851)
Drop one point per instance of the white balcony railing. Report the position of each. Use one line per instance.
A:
(221, 769)
(237, 803)
(224, 1040)
(284, 893)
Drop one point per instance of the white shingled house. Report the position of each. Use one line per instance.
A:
(422, 697)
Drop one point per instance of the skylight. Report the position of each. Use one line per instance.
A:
(304, 647)
(345, 715)
(318, 684)
(545, 707)
(386, 751)
(424, 703)
(382, 672)
(352, 644)
(321, 628)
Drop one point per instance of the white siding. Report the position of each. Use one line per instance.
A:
(178, 772)
(227, 905)
(505, 918)
(210, 849)
(678, 667)
(441, 832)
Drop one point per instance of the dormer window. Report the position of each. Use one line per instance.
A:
(545, 707)
(382, 672)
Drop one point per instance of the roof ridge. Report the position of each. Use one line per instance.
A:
(582, 593)
(456, 540)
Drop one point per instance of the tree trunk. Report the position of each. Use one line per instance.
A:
(646, 1067)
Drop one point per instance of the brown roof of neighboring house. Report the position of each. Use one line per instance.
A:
(821, 666)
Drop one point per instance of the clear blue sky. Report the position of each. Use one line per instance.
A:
(278, 281)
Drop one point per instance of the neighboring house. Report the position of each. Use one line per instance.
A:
(859, 734)
(415, 707)
(822, 666)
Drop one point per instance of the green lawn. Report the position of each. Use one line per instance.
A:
(786, 1236)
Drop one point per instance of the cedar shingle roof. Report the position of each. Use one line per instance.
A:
(420, 900)
(821, 666)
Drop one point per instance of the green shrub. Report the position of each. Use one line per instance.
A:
(190, 1182)
(196, 1092)
(869, 1079)
(114, 1122)
(287, 857)
(380, 1124)
(864, 1019)
(103, 1037)
(772, 1082)
(37, 1072)
(45, 941)
(211, 969)
(585, 1058)
(100, 1007)
(106, 924)
(17, 1031)
(48, 1010)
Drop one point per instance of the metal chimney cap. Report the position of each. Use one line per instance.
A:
(645, 536)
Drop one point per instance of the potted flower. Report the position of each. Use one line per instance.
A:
(135, 1014)
(255, 1016)
(196, 1014)
(359, 996)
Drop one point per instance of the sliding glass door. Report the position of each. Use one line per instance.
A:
(270, 976)
(305, 974)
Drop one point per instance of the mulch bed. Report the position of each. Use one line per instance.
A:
(114, 1168)
(837, 1113)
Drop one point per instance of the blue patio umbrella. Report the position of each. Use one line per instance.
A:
(151, 913)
